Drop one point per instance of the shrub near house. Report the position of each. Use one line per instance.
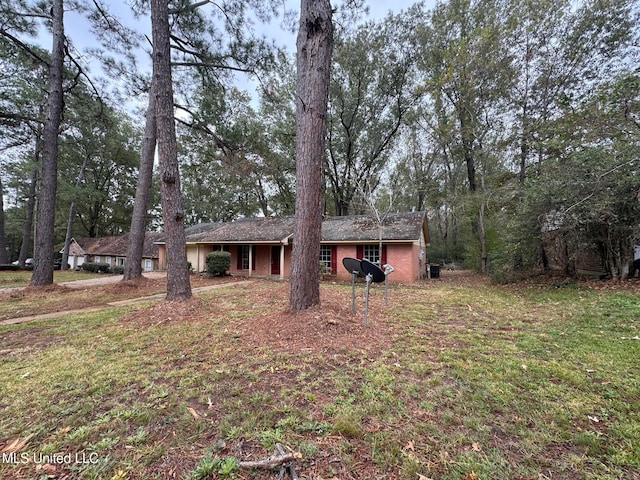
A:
(218, 263)
(96, 267)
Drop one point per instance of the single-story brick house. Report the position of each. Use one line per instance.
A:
(112, 251)
(263, 246)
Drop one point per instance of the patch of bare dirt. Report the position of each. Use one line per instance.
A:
(14, 343)
(203, 279)
(631, 285)
(188, 311)
(36, 293)
(455, 277)
(141, 286)
(330, 326)
(557, 279)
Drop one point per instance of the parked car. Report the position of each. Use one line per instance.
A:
(27, 263)
(57, 264)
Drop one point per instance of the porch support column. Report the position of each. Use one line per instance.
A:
(282, 246)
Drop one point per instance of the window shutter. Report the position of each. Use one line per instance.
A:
(239, 257)
(334, 259)
(383, 255)
(359, 252)
(253, 257)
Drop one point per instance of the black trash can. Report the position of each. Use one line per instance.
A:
(434, 271)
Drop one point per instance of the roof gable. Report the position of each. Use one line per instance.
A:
(117, 246)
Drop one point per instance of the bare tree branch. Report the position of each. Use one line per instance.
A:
(212, 65)
(220, 143)
(194, 6)
(23, 46)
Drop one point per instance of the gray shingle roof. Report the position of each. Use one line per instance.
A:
(202, 228)
(363, 228)
(352, 228)
(245, 230)
(117, 246)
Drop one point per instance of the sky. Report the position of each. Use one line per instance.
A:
(378, 9)
(76, 29)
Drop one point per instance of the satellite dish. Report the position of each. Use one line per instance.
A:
(352, 265)
(372, 269)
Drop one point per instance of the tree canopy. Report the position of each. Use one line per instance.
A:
(491, 116)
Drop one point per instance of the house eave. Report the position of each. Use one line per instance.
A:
(284, 241)
(367, 241)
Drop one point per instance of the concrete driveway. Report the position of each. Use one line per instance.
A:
(107, 279)
(90, 282)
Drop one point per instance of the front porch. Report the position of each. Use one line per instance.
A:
(265, 260)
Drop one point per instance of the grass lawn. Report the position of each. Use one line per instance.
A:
(22, 278)
(454, 379)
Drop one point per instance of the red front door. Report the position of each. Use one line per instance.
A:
(275, 260)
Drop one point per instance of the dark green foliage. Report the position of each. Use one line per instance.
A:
(118, 270)
(218, 263)
(502, 111)
(96, 267)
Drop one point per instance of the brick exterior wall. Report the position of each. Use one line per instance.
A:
(404, 257)
(261, 260)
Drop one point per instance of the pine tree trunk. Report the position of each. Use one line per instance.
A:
(135, 247)
(31, 205)
(44, 240)
(4, 259)
(315, 46)
(178, 282)
(70, 221)
(69, 235)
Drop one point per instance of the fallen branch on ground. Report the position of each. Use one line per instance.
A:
(287, 467)
(271, 462)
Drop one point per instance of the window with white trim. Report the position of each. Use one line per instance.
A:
(244, 254)
(326, 257)
(372, 253)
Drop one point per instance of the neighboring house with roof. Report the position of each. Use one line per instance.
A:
(588, 260)
(262, 246)
(112, 251)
